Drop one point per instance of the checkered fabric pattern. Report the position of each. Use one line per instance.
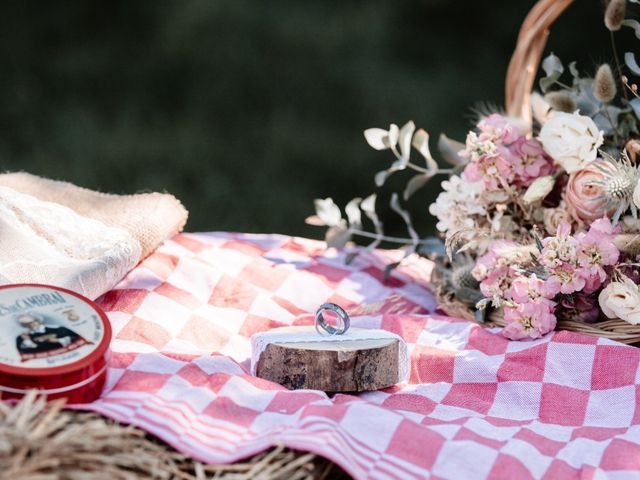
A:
(476, 405)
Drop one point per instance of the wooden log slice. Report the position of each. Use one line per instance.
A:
(341, 366)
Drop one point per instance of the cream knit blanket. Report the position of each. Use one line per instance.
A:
(59, 234)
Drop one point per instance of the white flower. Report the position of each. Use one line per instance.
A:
(621, 300)
(457, 204)
(539, 189)
(571, 139)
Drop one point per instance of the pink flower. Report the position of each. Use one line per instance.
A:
(529, 160)
(559, 249)
(527, 289)
(595, 251)
(498, 129)
(497, 283)
(494, 170)
(529, 320)
(564, 279)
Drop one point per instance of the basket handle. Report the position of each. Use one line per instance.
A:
(526, 57)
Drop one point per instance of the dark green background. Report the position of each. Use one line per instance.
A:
(248, 110)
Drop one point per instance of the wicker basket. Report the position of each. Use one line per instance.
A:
(519, 82)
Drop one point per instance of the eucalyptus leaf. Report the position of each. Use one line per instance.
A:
(388, 269)
(314, 220)
(368, 206)
(416, 183)
(431, 245)
(398, 165)
(635, 106)
(395, 206)
(327, 211)
(349, 259)
(553, 68)
(381, 177)
(552, 65)
(376, 138)
(480, 315)
(634, 24)
(450, 150)
(337, 237)
(586, 102)
(467, 295)
(353, 213)
(421, 143)
(603, 121)
(404, 141)
(381, 139)
(574, 70)
(547, 82)
(392, 139)
(630, 61)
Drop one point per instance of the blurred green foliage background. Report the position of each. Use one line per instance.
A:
(247, 110)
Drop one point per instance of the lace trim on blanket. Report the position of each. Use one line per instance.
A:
(44, 242)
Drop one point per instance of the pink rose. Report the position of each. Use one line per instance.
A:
(584, 196)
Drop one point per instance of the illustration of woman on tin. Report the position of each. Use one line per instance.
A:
(40, 340)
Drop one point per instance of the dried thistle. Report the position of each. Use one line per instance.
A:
(614, 14)
(461, 277)
(604, 85)
(620, 179)
(561, 101)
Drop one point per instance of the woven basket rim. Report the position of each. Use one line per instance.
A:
(526, 57)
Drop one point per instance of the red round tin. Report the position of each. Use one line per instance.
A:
(53, 340)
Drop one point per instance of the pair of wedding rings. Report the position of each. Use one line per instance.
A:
(322, 327)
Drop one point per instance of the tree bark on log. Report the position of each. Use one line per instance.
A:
(345, 366)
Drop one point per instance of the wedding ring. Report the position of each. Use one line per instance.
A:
(343, 318)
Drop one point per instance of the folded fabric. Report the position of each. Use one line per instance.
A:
(57, 233)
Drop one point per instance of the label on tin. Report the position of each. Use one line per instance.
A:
(44, 328)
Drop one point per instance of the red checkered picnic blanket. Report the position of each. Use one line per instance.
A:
(476, 405)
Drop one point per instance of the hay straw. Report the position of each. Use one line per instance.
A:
(41, 441)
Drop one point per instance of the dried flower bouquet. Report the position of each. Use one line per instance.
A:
(539, 213)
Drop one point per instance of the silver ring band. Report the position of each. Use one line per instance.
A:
(321, 323)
